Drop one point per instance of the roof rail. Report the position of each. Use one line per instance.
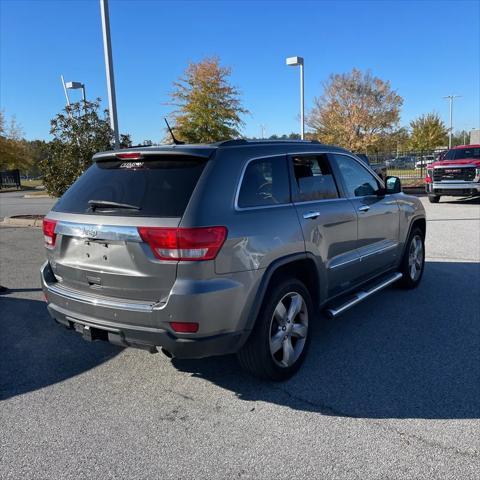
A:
(244, 141)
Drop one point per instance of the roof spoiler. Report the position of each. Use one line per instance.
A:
(141, 154)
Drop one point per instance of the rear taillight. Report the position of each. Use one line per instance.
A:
(49, 232)
(184, 243)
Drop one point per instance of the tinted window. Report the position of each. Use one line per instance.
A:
(358, 180)
(314, 178)
(159, 188)
(265, 182)
(466, 153)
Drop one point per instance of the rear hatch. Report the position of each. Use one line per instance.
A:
(98, 246)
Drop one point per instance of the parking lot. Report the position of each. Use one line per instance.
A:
(391, 389)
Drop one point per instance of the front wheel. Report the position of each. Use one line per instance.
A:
(434, 198)
(413, 261)
(278, 343)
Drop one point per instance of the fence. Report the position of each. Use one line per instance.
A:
(10, 179)
(409, 166)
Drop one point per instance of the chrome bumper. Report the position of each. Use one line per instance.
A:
(451, 188)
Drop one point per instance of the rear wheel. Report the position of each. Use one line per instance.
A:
(434, 198)
(413, 261)
(278, 343)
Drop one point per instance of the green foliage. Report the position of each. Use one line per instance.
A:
(428, 132)
(355, 111)
(14, 152)
(209, 108)
(461, 137)
(79, 132)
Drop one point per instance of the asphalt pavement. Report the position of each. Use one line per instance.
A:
(390, 390)
(13, 203)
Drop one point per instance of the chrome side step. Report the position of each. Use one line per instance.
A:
(362, 295)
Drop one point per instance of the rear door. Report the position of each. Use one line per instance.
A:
(99, 248)
(378, 216)
(329, 222)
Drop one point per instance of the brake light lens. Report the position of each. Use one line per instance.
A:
(129, 156)
(184, 327)
(184, 243)
(49, 232)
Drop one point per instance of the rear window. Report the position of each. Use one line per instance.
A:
(157, 187)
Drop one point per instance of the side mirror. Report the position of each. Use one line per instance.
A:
(393, 185)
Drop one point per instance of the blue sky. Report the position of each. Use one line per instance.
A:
(425, 49)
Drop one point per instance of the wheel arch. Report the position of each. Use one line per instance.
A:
(302, 266)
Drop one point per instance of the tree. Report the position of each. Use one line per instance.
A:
(461, 137)
(428, 132)
(13, 148)
(209, 108)
(79, 132)
(355, 111)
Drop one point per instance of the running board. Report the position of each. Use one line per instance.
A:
(362, 295)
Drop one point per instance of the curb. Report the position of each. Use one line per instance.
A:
(37, 196)
(22, 222)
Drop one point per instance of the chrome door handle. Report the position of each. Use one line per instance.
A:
(308, 215)
(365, 208)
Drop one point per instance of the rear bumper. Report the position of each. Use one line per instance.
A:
(453, 188)
(146, 325)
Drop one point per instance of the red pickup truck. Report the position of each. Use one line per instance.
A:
(457, 174)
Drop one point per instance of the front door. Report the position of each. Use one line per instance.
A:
(378, 216)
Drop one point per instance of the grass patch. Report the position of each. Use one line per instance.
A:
(31, 183)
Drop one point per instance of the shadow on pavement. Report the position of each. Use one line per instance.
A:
(401, 354)
(35, 352)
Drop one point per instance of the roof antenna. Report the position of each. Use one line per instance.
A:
(175, 141)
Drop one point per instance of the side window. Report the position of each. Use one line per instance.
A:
(314, 178)
(265, 182)
(359, 182)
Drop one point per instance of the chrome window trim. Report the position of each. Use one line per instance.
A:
(98, 232)
(317, 152)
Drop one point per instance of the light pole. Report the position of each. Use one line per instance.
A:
(294, 62)
(450, 102)
(76, 86)
(107, 48)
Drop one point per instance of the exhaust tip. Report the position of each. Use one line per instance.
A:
(166, 353)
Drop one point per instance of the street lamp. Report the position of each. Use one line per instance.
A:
(451, 98)
(76, 86)
(294, 62)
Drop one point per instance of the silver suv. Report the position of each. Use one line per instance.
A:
(201, 250)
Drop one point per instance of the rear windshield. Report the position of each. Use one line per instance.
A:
(156, 188)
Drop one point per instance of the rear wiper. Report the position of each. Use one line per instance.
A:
(108, 204)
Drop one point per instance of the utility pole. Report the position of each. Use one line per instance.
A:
(451, 98)
(107, 48)
(262, 128)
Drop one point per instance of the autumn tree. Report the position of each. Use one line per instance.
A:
(428, 132)
(79, 132)
(355, 111)
(208, 107)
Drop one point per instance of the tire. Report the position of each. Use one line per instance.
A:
(434, 198)
(278, 343)
(412, 276)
